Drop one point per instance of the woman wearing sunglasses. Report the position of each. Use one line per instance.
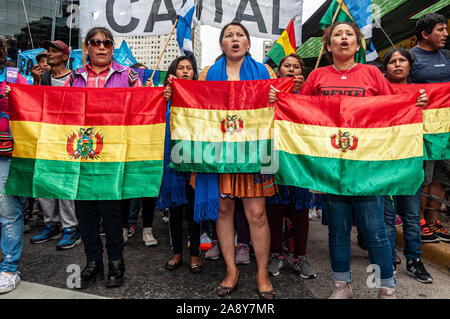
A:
(102, 71)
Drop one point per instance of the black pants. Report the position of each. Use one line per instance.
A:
(176, 226)
(148, 211)
(90, 213)
(240, 224)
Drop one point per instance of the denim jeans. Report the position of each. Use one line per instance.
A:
(135, 207)
(369, 212)
(11, 218)
(408, 207)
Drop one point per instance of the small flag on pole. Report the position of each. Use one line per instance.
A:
(358, 12)
(290, 39)
(184, 29)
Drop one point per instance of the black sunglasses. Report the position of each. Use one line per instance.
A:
(106, 43)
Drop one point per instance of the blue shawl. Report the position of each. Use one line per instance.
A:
(207, 195)
(173, 185)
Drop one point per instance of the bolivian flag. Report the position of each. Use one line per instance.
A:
(436, 118)
(222, 126)
(86, 143)
(286, 44)
(348, 145)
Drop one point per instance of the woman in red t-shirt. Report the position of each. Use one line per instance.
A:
(346, 77)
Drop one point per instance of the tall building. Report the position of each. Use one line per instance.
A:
(267, 46)
(39, 13)
(147, 49)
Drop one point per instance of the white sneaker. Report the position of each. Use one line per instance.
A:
(147, 237)
(125, 235)
(341, 290)
(8, 282)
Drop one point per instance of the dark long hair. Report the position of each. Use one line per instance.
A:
(407, 54)
(295, 56)
(222, 33)
(174, 65)
(93, 31)
(326, 39)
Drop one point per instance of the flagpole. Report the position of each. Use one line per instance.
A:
(162, 52)
(323, 44)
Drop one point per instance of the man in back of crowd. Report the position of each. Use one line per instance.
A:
(432, 65)
(40, 67)
(57, 211)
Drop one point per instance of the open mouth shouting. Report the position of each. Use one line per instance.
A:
(344, 45)
(236, 47)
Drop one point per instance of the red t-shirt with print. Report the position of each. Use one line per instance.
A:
(362, 80)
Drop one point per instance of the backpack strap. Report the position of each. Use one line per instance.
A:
(133, 77)
(72, 77)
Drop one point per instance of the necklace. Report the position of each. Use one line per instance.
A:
(343, 77)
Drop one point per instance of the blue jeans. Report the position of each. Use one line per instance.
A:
(369, 212)
(11, 218)
(408, 207)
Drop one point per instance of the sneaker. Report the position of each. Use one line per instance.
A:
(214, 252)
(341, 290)
(427, 235)
(49, 232)
(416, 269)
(8, 282)
(303, 268)
(439, 231)
(125, 235)
(40, 220)
(275, 264)
(102, 231)
(242, 254)
(165, 216)
(289, 246)
(147, 237)
(386, 293)
(70, 239)
(398, 221)
(131, 231)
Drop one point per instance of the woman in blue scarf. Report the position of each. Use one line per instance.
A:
(235, 64)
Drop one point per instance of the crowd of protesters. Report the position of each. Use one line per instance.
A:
(251, 205)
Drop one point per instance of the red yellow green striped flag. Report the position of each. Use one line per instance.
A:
(436, 118)
(86, 143)
(286, 44)
(222, 126)
(348, 145)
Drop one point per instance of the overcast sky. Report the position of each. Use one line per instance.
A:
(210, 37)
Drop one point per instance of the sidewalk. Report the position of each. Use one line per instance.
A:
(436, 253)
(28, 290)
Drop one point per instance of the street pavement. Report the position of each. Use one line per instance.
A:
(44, 273)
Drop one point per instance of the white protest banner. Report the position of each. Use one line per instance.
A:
(262, 18)
(129, 17)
